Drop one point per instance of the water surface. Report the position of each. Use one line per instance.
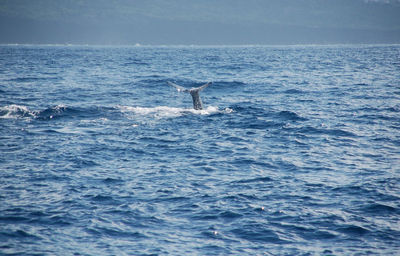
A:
(297, 151)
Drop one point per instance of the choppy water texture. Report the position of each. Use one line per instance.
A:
(297, 151)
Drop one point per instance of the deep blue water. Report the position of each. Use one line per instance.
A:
(297, 151)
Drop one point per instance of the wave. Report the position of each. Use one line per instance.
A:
(228, 84)
(62, 111)
(15, 111)
(31, 79)
(395, 108)
(132, 61)
(294, 91)
(249, 109)
(54, 112)
(323, 131)
(289, 115)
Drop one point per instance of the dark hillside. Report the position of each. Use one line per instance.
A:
(199, 22)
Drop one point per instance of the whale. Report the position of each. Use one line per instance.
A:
(194, 92)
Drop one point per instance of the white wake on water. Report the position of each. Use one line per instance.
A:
(18, 111)
(164, 111)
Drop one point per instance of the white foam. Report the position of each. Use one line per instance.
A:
(164, 111)
(14, 111)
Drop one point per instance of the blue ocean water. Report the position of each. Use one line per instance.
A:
(297, 151)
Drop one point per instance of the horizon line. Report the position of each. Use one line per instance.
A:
(195, 45)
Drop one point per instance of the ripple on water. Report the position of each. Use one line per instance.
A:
(297, 157)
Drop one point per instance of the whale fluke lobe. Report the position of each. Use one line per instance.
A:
(178, 87)
(195, 92)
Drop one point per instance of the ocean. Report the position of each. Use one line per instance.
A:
(296, 152)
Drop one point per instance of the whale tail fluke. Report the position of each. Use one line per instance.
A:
(199, 89)
(197, 104)
(183, 89)
(178, 87)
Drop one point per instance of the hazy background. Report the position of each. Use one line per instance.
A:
(199, 21)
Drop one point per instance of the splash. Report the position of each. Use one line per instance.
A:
(59, 111)
(18, 111)
(168, 112)
(15, 111)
